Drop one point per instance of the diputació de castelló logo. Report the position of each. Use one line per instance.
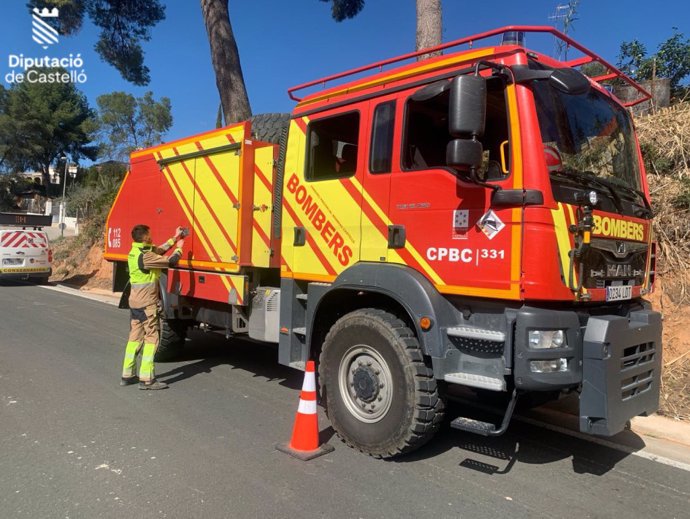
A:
(42, 32)
(46, 68)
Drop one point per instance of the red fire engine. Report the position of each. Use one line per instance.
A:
(478, 219)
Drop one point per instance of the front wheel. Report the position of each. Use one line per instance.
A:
(380, 396)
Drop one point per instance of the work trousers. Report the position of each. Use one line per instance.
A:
(144, 330)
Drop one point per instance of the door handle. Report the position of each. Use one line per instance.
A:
(300, 236)
(396, 236)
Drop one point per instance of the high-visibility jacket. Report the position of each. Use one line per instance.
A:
(145, 262)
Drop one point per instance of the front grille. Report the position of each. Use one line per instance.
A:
(604, 267)
(634, 358)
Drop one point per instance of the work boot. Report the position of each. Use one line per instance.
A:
(128, 381)
(154, 384)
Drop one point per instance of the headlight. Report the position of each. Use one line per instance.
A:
(548, 366)
(545, 339)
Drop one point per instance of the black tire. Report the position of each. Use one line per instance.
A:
(269, 127)
(172, 337)
(368, 350)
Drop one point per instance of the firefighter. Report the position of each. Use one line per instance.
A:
(145, 262)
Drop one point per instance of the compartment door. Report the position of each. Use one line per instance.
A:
(216, 208)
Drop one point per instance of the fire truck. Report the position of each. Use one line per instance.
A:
(470, 216)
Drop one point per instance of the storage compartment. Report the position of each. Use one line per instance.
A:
(264, 314)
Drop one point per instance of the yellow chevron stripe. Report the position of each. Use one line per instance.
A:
(237, 132)
(563, 240)
(517, 173)
(428, 270)
(190, 217)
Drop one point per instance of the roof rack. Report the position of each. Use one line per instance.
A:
(588, 57)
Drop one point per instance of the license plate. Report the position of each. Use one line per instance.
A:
(12, 261)
(619, 293)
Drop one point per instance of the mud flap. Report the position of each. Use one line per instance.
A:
(621, 371)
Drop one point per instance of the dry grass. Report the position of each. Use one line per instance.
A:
(665, 137)
(675, 390)
(665, 141)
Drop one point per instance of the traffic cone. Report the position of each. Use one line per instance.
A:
(304, 444)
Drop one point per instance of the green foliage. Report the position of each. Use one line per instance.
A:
(127, 123)
(672, 60)
(91, 200)
(123, 24)
(10, 186)
(39, 122)
(593, 69)
(344, 9)
(654, 160)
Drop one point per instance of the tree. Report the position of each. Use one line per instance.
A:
(345, 9)
(42, 121)
(11, 185)
(124, 24)
(672, 60)
(429, 19)
(127, 123)
(429, 25)
(226, 61)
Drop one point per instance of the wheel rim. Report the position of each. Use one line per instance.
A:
(366, 383)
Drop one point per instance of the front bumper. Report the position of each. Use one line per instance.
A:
(621, 371)
(615, 360)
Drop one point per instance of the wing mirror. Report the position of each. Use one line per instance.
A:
(466, 121)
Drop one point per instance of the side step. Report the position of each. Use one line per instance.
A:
(486, 428)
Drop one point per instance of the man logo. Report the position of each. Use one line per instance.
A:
(43, 33)
(620, 248)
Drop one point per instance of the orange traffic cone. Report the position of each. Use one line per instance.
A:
(304, 444)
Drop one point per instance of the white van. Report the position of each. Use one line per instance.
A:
(24, 247)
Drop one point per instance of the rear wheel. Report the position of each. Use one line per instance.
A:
(380, 396)
(172, 336)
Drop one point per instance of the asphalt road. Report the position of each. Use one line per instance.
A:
(75, 444)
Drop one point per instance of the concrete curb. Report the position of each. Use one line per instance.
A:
(662, 428)
(96, 294)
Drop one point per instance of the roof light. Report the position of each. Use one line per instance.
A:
(513, 38)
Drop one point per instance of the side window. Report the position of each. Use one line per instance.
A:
(381, 158)
(332, 147)
(425, 135)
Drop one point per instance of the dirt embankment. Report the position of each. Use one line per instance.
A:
(80, 266)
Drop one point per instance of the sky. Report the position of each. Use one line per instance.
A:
(286, 43)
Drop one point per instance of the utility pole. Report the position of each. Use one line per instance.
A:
(63, 207)
(566, 15)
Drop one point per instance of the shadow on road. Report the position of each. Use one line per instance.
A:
(210, 350)
(523, 443)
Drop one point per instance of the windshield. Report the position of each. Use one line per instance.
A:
(587, 136)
